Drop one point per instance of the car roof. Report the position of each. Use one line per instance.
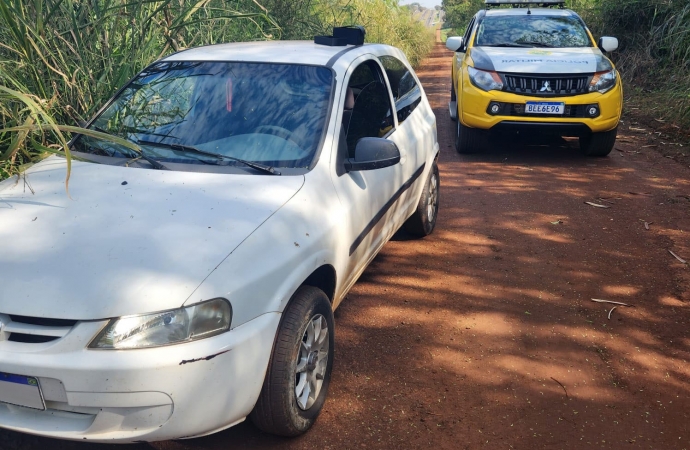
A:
(532, 11)
(303, 52)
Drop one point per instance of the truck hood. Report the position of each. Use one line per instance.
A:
(125, 241)
(540, 61)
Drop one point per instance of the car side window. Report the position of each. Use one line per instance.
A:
(371, 113)
(406, 93)
(468, 34)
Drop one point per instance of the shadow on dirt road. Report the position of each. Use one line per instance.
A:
(484, 334)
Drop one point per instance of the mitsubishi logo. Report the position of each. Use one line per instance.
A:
(546, 87)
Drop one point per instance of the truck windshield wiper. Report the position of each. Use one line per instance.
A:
(509, 44)
(192, 149)
(140, 153)
(536, 44)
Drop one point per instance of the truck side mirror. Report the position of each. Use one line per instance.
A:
(454, 43)
(608, 44)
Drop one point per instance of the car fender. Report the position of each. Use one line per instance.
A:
(263, 272)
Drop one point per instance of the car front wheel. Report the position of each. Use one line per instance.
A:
(296, 382)
(598, 144)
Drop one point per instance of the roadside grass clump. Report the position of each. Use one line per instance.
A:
(60, 59)
(654, 53)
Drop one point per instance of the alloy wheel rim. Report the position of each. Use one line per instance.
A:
(432, 201)
(312, 361)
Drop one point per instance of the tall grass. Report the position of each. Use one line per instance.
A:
(654, 54)
(384, 22)
(61, 59)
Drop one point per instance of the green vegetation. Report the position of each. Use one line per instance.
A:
(445, 32)
(654, 53)
(62, 59)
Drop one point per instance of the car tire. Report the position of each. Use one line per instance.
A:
(598, 144)
(453, 97)
(422, 222)
(299, 372)
(469, 140)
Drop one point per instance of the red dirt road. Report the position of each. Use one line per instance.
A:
(484, 335)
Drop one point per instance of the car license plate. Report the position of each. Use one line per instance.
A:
(21, 390)
(545, 108)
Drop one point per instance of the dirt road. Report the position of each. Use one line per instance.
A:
(484, 334)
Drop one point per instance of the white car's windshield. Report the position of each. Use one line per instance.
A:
(272, 114)
(532, 31)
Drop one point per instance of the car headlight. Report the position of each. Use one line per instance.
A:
(166, 327)
(487, 81)
(603, 81)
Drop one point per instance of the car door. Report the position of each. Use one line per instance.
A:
(415, 129)
(369, 198)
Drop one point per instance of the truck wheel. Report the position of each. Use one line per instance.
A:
(469, 140)
(598, 144)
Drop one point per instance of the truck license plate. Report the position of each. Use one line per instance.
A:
(545, 108)
(21, 390)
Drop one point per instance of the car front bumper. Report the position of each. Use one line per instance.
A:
(473, 109)
(177, 391)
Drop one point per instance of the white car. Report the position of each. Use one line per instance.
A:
(188, 279)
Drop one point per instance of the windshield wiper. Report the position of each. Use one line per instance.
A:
(536, 44)
(156, 165)
(509, 44)
(192, 149)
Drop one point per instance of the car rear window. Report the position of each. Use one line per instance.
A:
(532, 31)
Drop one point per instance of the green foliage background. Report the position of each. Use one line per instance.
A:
(62, 59)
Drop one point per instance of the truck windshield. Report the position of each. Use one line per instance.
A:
(532, 31)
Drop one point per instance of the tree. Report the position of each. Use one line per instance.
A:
(459, 12)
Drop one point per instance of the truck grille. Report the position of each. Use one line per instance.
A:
(34, 330)
(547, 85)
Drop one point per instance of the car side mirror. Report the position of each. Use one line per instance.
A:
(608, 44)
(373, 153)
(454, 43)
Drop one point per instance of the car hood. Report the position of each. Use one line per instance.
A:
(540, 61)
(125, 240)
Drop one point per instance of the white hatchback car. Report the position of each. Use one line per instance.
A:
(189, 279)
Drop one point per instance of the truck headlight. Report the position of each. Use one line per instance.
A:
(175, 326)
(603, 81)
(485, 80)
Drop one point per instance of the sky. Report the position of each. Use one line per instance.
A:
(424, 3)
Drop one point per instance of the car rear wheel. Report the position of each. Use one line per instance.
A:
(469, 140)
(296, 382)
(598, 144)
(423, 221)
